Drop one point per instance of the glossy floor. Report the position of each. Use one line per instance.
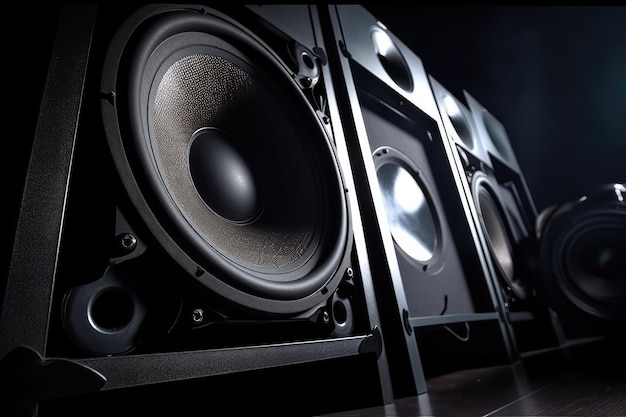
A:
(587, 381)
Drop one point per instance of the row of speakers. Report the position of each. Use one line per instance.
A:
(449, 203)
(240, 194)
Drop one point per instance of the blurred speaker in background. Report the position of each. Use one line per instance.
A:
(582, 256)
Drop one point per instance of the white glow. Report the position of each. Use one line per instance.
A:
(411, 245)
(406, 192)
(383, 43)
(620, 190)
(451, 107)
(410, 219)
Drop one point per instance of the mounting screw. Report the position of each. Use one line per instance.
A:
(325, 317)
(306, 82)
(110, 97)
(350, 272)
(344, 50)
(405, 320)
(127, 241)
(197, 315)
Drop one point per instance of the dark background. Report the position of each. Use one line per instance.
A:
(554, 76)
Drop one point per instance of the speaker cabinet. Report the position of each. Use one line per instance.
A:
(189, 224)
(503, 212)
(430, 276)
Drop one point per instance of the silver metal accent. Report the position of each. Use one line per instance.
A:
(411, 221)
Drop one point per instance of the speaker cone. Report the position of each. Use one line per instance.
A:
(391, 59)
(412, 218)
(459, 121)
(497, 234)
(225, 160)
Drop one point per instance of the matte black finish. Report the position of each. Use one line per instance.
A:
(40, 222)
(96, 283)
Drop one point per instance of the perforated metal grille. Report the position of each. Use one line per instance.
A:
(199, 91)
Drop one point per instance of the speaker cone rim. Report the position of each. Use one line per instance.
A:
(261, 294)
(560, 235)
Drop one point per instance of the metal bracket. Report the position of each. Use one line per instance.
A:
(373, 343)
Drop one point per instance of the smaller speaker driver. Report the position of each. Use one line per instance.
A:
(411, 220)
(391, 59)
(458, 120)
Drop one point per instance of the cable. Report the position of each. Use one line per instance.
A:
(455, 334)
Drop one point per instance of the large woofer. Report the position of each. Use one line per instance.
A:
(225, 160)
(583, 248)
(497, 234)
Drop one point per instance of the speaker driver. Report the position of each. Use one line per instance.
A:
(594, 256)
(582, 247)
(225, 159)
(459, 121)
(412, 219)
(497, 234)
(392, 59)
